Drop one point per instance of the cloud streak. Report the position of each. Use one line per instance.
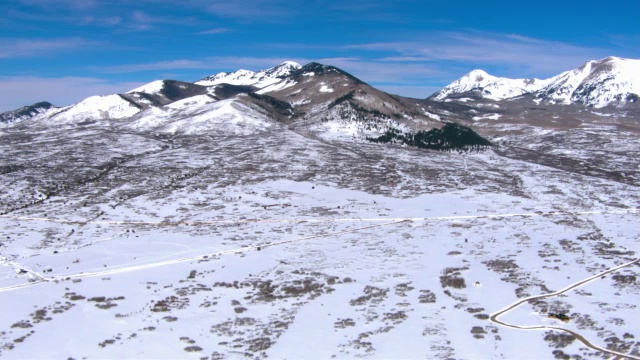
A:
(17, 48)
(213, 31)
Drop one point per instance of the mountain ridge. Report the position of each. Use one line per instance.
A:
(597, 83)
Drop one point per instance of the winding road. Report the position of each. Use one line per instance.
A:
(494, 317)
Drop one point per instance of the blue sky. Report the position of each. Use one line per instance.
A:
(66, 50)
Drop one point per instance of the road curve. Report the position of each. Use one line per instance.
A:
(494, 317)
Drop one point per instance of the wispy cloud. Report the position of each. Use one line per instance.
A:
(534, 56)
(215, 63)
(102, 21)
(262, 10)
(71, 4)
(143, 21)
(143, 17)
(213, 31)
(25, 90)
(374, 71)
(16, 48)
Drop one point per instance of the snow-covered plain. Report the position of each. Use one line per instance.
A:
(129, 243)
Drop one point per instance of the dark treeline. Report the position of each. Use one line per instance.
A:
(451, 136)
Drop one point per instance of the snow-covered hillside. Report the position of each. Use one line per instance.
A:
(202, 114)
(258, 79)
(96, 108)
(597, 83)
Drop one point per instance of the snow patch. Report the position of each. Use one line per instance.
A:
(488, 117)
(326, 89)
(431, 115)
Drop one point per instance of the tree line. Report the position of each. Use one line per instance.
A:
(451, 136)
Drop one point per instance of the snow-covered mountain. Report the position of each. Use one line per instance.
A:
(490, 87)
(597, 83)
(258, 79)
(325, 99)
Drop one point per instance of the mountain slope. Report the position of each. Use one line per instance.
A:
(610, 81)
(162, 92)
(97, 108)
(26, 113)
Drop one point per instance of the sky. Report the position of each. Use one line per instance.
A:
(63, 51)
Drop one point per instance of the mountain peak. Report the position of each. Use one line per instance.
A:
(260, 79)
(472, 80)
(478, 74)
(292, 64)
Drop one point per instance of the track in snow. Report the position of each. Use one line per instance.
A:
(320, 220)
(187, 259)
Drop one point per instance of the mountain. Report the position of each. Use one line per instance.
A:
(599, 83)
(330, 103)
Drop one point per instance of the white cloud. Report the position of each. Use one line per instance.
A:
(25, 90)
